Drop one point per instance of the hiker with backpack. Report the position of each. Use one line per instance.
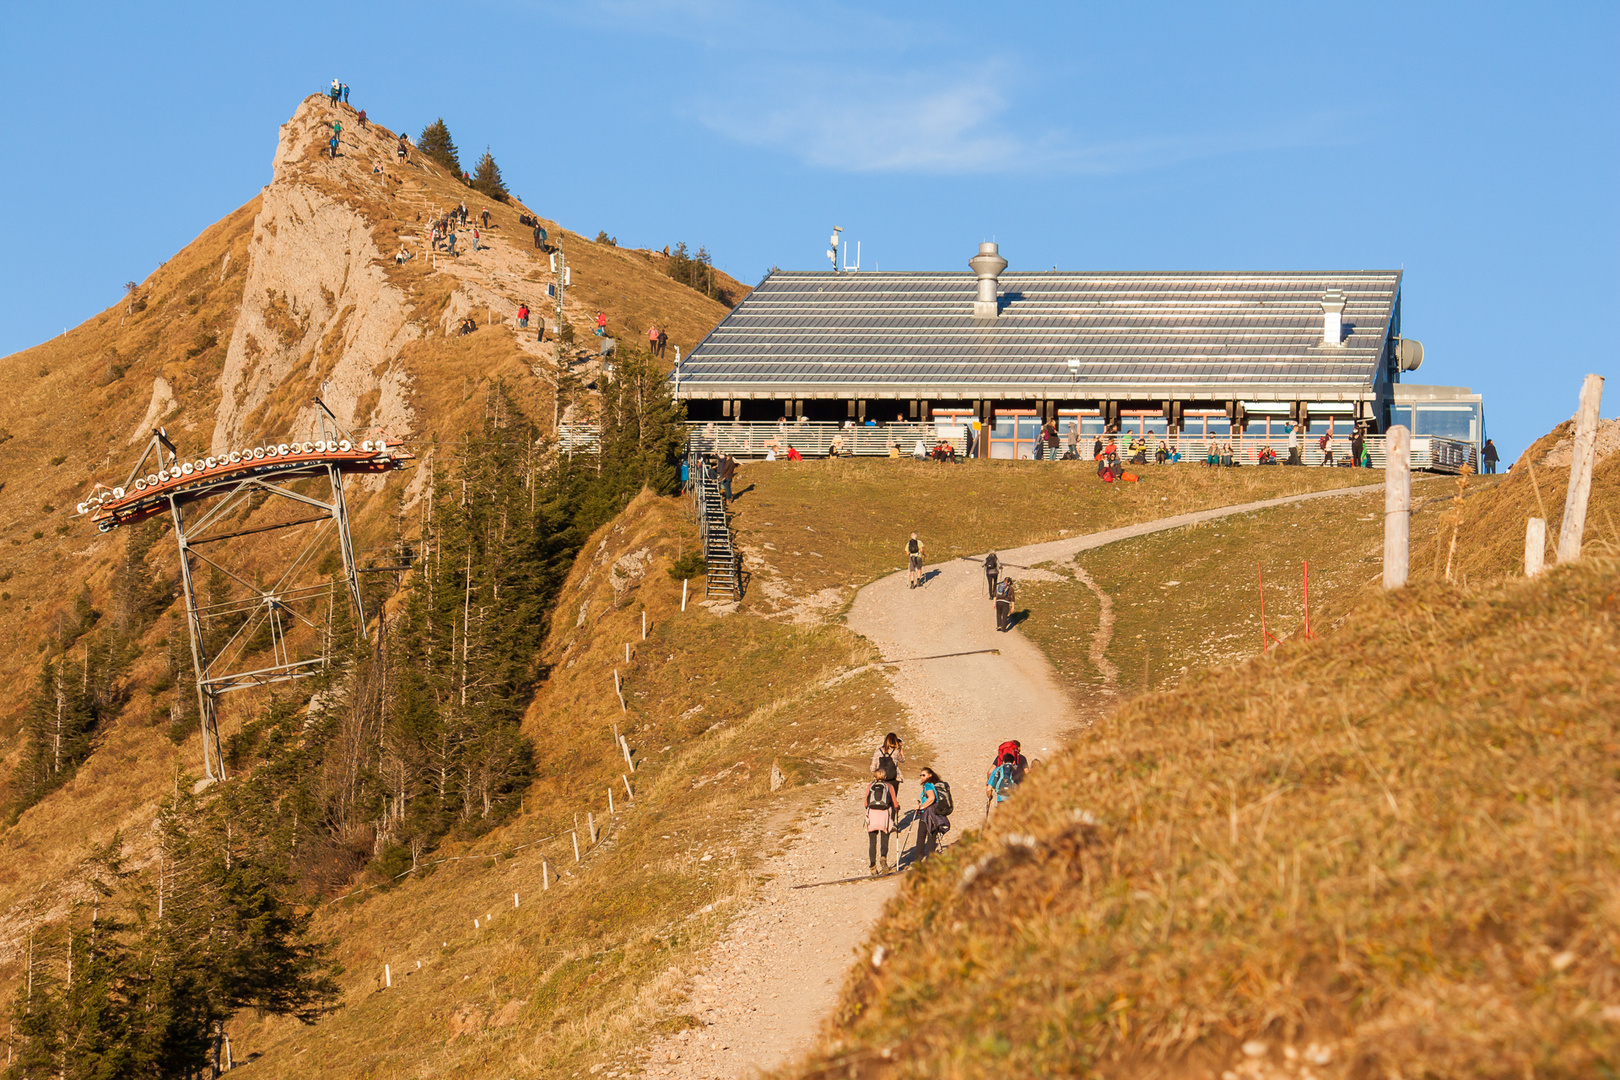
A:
(889, 756)
(1006, 774)
(1004, 604)
(992, 570)
(914, 559)
(882, 798)
(934, 806)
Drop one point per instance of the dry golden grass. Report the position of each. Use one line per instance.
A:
(1397, 842)
(841, 523)
(584, 973)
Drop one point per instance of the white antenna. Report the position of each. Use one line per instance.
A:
(848, 268)
(832, 251)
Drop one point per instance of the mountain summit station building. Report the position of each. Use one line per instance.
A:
(1209, 356)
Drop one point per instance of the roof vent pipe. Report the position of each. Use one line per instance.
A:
(986, 264)
(1332, 317)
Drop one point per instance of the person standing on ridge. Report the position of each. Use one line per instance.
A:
(484, 213)
(992, 570)
(345, 93)
(914, 551)
(332, 143)
(539, 236)
(601, 324)
(652, 338)
(1490, 457)
(475, 238)
(523, 316)
(663, 342)
(362, 118)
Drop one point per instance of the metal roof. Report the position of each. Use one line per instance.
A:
(1058, 334)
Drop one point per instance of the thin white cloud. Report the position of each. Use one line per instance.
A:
(918, 124)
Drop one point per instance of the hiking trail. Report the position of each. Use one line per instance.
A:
(774, 978)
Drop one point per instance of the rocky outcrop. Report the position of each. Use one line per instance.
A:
(317, 304)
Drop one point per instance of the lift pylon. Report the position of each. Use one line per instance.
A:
(274, 633)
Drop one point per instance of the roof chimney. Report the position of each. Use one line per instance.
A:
(986, 264)
(1332, 317)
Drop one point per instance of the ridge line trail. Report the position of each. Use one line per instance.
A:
(775, 975)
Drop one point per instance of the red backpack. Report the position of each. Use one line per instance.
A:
(1008, 753)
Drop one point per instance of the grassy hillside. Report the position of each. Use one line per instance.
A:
(581, 974)
(1387, 851)
(812, 532)
(1392, 850)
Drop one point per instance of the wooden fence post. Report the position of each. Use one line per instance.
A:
(1535, 546)
(610, 798)
(590, 823)
(625, 746)
(1580, 470)
(545, 875)
(575, 835)
(684, 583)
(617, 689)
(643, 624)
(388, 977)
(1397, 505)
(627, 792)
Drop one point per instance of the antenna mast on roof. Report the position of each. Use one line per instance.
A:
(832, 251)
(848, 268)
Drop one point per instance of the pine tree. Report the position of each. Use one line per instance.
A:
(436, 143)
(487, 178)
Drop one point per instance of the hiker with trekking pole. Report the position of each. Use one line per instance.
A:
(992, 570)
(882, 803)
(1006, 774)
(934, 806)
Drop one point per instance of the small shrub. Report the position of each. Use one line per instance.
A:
(38, 535)
(688, 566)
(62, 529)
(49, 508)
(58, 459)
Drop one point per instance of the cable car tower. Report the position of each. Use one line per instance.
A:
(277, 631)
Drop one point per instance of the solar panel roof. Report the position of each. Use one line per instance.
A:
(1058, 333)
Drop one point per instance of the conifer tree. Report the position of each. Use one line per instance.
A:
(487, 178)
(436, 143)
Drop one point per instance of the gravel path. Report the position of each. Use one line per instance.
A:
(775, 977)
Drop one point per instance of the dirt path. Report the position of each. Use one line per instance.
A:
(775, 977)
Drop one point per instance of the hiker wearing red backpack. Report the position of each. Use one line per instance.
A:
(1006, 774)
(882, 802)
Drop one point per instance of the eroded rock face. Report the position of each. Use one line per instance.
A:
(317, 304)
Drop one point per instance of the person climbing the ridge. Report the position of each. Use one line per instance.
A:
(484, 213)
(914, 550)
(1004, 604)
(881, 798)
(992, 570)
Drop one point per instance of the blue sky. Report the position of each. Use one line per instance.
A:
(1472, 144)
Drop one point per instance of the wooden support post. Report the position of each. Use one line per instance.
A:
(1580, 470)
(684, 583)
(545, 874)
(590, 823)
(514, 899)
(388, 977)
(631, 795)
(575, 835)
(644, 625)
(625, 746)
(618, 689)
(1397, 505)
(610, 798)
(627, 652)
(1535, 546)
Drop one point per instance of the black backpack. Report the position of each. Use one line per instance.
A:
(878, 796)
(887, 766)
(942, 799)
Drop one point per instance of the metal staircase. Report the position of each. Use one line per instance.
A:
(724, 562)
